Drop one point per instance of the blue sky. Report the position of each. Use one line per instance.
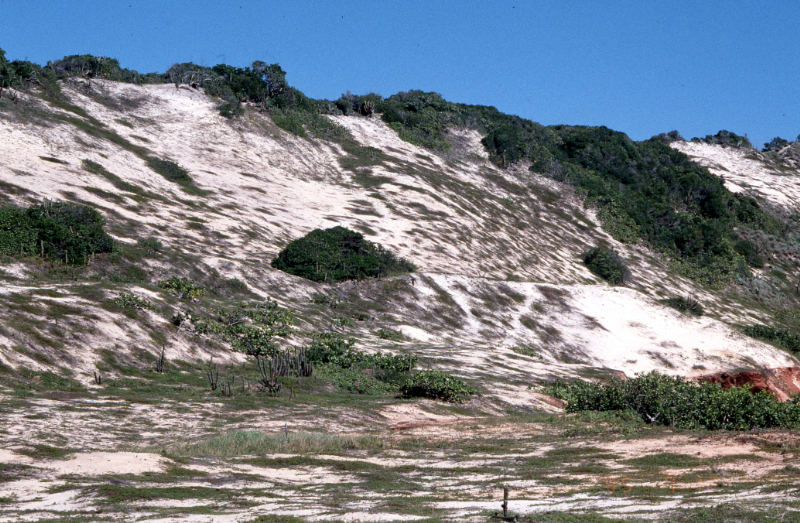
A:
(637, 66)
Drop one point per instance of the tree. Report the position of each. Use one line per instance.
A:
(775, 144)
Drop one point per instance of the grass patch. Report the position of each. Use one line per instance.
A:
(243, 443)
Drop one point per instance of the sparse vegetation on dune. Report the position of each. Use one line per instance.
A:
(216, 384)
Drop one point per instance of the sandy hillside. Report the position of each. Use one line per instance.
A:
(497, 250)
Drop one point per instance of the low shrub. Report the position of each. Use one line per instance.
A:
(783, 337)
(170, 170)
(436, 384)
(132, 301)
(389, 334)
(672, 401)
(230, 110)
(607, 264)
(338, 254)
(184, 288)
(687, 305)
(356, 371)
(150, 246)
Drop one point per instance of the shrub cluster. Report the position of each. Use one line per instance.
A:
(783, 337)
(675, 402)
(436, 384)
(61, 231)
(607, 264)
(338, 254)
(250, 327)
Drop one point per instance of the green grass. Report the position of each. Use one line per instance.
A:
(241, 443)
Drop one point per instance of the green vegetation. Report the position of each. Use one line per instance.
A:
(686, 305)
(726, 138)
(170, 171)
(61, 231)
(437, 385)
(131, 300)
(338, 254)
(675, 402)
(642, 189)
(184, 288)
(355, 371)
(607, 264)
(779, 336)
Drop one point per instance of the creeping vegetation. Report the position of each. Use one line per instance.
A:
(338, 254)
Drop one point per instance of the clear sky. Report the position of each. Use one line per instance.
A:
(638, 66)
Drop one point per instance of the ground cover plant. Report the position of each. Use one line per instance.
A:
(338, 254)
(676, 402)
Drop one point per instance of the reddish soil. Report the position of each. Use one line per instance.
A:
(784, 382)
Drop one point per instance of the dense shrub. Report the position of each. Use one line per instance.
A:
(749, 251)
(607, 264)
(436, 384)
(230, 109)
(17, 234)
(725, 138)
(67, 232)
(338, 254)
(675, 402)
(783, 337)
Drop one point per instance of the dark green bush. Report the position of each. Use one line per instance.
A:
(749, 250)
(783, 337)
(18, 237)
(688, 305)
(436, 384)
(607, 264)
(675, 402)
(230, 109)
(170, 170)
(338, 254)
(389, 334)
(725, 138)
(69, 232)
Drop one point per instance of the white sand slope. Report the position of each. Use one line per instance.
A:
(497, 249)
